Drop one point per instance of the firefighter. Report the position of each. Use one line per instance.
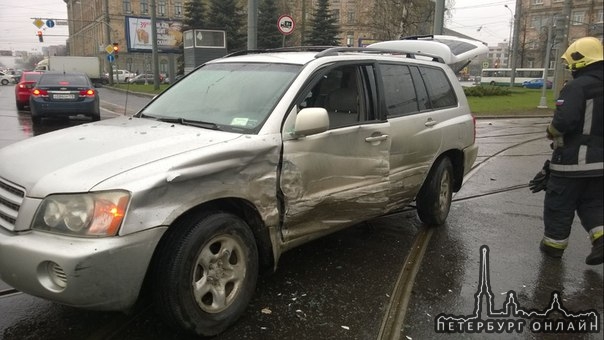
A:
(573, 177)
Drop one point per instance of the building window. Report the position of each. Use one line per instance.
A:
(178, 9)
(161, 9)
(127, 6)
(336, 14)
(144, 7)
(536, 22)
(537, 2)
(351, 17)
(600, 16)
(578, 17)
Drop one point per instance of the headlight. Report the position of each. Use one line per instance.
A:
(89, 214)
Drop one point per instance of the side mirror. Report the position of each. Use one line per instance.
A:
(311, 121)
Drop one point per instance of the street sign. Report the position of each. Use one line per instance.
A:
(109, 49)
(286, 24)
(111, 58)
(50, 23)
(38, 23)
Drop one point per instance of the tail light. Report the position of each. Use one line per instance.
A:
(39, 93)
(87, 93)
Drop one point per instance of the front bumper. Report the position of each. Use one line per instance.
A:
(92, 273)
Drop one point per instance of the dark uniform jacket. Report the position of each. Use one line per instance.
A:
(577, 125)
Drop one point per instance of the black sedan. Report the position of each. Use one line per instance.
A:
(62, 95)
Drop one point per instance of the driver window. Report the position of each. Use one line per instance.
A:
(338, 92)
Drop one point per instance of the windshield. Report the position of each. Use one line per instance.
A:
(227, 96)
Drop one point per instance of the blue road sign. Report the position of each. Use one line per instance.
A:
(50, 23)
(111, 58)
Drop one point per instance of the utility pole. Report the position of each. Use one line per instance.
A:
(514, 53)
(564, 29)
(108, 35)
(439, 14)
(154, 55)
(548, 45)
(252, 24)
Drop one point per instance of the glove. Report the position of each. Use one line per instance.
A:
(539, 182)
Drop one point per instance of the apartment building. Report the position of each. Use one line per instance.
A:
(586, 19)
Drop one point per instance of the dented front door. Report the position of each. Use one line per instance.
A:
(334, 179)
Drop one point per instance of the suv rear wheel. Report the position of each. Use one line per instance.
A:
(206, 273)
(434, 199)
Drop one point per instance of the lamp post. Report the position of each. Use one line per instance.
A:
(512, 76)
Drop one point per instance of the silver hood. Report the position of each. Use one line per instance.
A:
(76, 159)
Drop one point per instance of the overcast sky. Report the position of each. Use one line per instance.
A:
(485, 20)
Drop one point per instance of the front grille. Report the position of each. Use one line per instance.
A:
(11, 197)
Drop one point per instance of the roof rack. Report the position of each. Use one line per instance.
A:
(409, 54)
(280, 49)
(330, 51)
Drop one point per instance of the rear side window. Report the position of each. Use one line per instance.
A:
(399, 91)
(439, 88)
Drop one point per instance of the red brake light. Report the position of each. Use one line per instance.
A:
(87, 93)
(39, 93)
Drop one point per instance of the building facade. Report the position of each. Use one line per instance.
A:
(586, 19)
(95, 25)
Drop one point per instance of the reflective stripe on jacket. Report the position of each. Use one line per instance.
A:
(578, 118)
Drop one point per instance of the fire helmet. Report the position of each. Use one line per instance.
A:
(583, 52)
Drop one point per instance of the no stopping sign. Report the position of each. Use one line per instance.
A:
(286, 24)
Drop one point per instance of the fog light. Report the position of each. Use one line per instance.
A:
(52, 276)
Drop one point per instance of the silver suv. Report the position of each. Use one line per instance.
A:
(246, 157)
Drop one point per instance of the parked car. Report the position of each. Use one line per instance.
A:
(6, 78)
(144, 77)
(122, 76)
(243, 159)
(536, 84)
(58, 94)
(23, 89)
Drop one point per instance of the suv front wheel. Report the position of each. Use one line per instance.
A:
(206, 273)
(434, 198)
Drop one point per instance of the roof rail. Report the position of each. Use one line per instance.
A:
(280, 49)
(409, 54)
(415, 37)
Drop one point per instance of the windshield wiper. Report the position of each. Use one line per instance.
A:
(189, 122)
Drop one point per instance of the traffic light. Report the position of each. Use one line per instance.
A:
(116, 49)
(40, 36)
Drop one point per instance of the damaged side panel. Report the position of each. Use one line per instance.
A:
(334, 179)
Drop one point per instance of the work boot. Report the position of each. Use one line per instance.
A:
(551, 251)
(596, 256)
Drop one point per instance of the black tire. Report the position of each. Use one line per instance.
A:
(36, 120)
(95, 117)
(205, 273)
(20, 106)
(492, 83)
(434, 198)
(4, 82)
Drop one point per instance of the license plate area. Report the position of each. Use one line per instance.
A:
(62, 96)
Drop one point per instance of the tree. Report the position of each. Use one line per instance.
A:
(226, 15)
(392, 19)
(268, 33)
(325, 28)
(194, 15)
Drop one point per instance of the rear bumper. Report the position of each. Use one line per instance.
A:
(469, 157)
(42, 108)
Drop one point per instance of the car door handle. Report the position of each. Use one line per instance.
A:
(430, 122)
(374, 139)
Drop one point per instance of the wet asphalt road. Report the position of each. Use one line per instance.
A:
(385, 279)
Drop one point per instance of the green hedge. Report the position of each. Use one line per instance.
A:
(482, 91)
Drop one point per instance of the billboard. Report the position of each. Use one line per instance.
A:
(138, 35)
